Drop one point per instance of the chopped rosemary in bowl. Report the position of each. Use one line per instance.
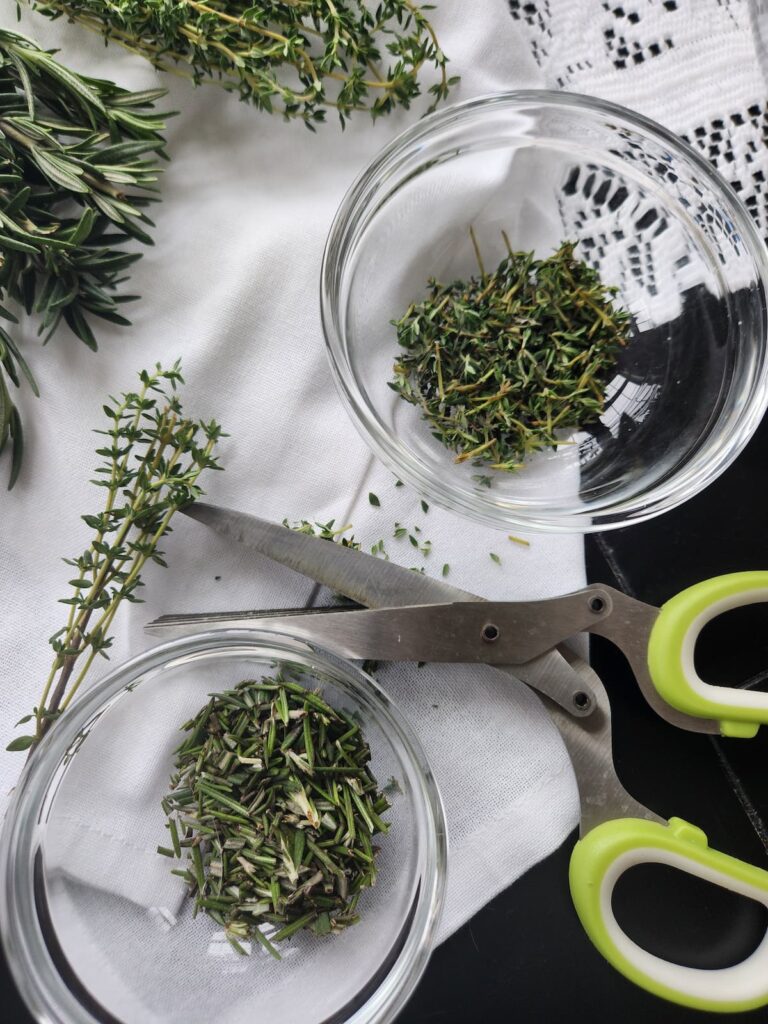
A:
(275, 806)
(79, 859)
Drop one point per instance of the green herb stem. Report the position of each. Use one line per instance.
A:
(277, 847)
(80, 161)
(280, 57)
(152, 464)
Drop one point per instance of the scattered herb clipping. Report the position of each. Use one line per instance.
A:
(495, 558)
(275, 808)
(374, 499)
(292, 58)
(519, 540)
(379, 549)
(329, 531)
(500, 363)
(152, 459)
(326, 531)
(78, 163)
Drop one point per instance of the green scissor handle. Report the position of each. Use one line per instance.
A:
(671, 646)
(601, 857)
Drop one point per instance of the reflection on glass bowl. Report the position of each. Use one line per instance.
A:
(95, 927)
(647, 212)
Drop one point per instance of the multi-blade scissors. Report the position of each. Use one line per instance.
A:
(408, 616)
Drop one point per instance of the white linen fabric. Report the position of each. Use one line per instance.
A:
(231, 286)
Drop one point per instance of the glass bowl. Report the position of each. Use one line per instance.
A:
(95, 927)
(647, 212)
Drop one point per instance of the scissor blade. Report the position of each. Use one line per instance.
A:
(482, 632)
(590, 748)
(367, 580)
(377, 584)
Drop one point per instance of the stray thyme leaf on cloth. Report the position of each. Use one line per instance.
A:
(152, 458)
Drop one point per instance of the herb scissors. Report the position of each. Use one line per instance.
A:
(410, 617)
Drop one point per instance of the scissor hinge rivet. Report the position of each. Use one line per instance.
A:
(581, 700)
(597, 604)
(490, 632)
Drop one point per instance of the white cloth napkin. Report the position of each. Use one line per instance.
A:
(231, 286)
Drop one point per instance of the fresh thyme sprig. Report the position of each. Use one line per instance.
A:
(78, 163)
(274, 804)
(294, 57)
(500, 363)
(152, 459)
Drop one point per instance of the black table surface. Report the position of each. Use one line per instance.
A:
(524, 957)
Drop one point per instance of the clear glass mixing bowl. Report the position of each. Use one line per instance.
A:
(647, 211)
(95, 927)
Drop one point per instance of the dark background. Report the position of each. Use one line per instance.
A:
(524, 956)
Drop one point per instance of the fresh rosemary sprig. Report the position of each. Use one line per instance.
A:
(152, 458)
(78, 162)
(294, 57)
(500, 363)
(274, 804)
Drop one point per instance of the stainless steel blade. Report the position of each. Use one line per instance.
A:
(590, 748)
(365, 579)
(377, 584)
(572, 692)
(490, 632)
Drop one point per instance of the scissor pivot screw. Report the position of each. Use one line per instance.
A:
(597, 604)
(582, 701)
(490, 633)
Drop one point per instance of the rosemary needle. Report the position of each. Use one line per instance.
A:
(287, 809)
(79, 162)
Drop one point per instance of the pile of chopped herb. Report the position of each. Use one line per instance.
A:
(504, 362)
(273, 803)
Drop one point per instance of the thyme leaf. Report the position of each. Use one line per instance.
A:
(152, 457)
(500, 364)
(297, 59)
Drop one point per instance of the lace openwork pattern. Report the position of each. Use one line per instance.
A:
(614, 50)
(696, 67)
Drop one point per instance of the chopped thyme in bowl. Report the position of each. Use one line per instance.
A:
(502, 363)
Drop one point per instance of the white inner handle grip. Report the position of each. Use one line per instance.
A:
(747, 980)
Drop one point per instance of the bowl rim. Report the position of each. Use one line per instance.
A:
(47, 996)
(663, 496)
